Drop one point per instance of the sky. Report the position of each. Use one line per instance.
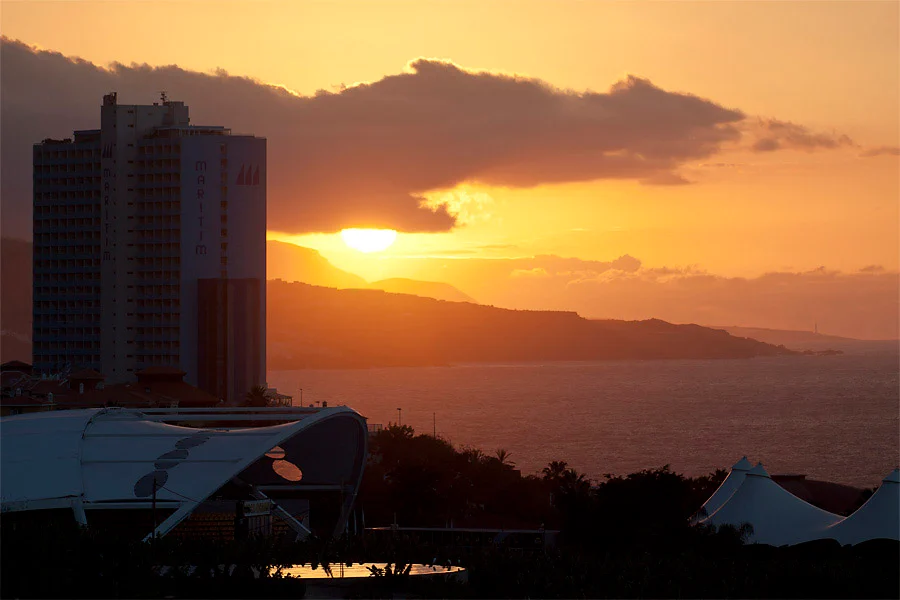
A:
(714, 143)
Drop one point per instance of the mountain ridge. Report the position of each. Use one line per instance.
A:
(426, 289)
(809, 340)
(357, 326)
(285, 260)
(322, 327)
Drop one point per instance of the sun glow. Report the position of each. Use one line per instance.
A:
(369, 240)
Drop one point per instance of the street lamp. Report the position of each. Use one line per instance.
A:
(399, 415)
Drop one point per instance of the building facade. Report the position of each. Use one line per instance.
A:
(129, 219)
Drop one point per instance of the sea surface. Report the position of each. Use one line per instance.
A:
(832, 418)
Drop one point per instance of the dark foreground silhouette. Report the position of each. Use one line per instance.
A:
(622, 537)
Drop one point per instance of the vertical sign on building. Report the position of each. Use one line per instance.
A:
(108, 234)
(200, 171)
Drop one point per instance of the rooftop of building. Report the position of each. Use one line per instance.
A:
(15, 365)
(86, 374)
(158, 386)
(139, 394)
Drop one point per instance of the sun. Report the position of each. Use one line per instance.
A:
(369, 240)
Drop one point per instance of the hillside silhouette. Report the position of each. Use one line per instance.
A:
(291, 262)
(313, 326)
(428, 289)
(807, 340)
(317, 327)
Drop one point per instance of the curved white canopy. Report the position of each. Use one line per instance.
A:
(777, 516)
(878, 518)
(725, 490)
(98, 458)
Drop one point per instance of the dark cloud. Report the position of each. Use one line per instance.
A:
(881, 151)
(772, 134)
(364, 155)
(766, 145)
(872, 269)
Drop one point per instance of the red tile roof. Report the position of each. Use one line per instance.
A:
(161, 370)
(15, 365)
(136, 395)
(48, 386)
(86, 374)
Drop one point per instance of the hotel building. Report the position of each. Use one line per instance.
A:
(150, 249)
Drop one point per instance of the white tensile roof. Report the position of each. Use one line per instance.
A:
(730, 485)
(110, 458)
(878, 518)
(777, 516)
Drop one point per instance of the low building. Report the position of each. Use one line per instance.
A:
(16, 382)
(276, 399)
(156, 387)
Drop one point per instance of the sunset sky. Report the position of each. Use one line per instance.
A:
(752, 138)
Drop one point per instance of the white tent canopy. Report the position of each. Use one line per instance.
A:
(728, 487)
(777, 516)
(878, 518)
(114, 458)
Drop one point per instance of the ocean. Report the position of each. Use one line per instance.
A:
(833, 418)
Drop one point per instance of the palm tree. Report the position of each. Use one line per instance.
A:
(555, 470)
(257, 397)
(503, 456)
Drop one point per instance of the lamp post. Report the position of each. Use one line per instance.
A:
(399, 416)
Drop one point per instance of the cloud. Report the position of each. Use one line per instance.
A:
(772, 134)
(467, 206)
(535, 272)
(872, 269)
(367, 154)
(863, 305)
(378, 154)
(720, 165)
(881, 151)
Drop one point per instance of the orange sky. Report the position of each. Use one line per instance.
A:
(829, 66)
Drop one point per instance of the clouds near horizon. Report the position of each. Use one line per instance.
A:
(367, 154)
(881, 151)
(863, 304)
(772, 134)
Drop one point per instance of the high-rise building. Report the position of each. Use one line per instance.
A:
(150, 249)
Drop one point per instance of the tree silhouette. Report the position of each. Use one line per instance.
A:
(503, 456)
(256, 397)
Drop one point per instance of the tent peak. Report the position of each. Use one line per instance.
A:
(759, 471)
(742, 465)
